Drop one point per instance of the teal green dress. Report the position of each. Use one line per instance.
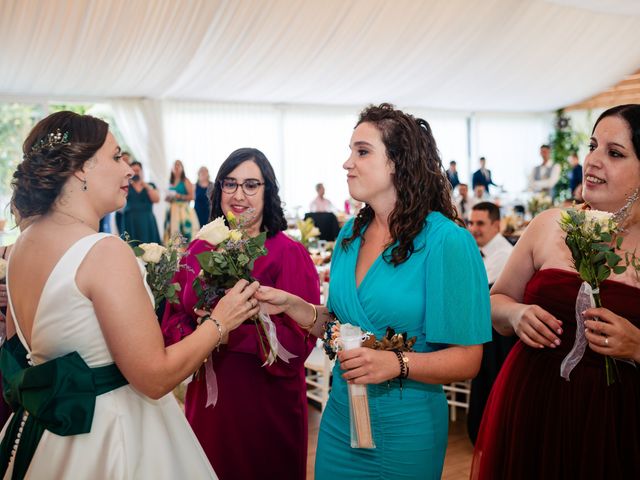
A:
(440, 295)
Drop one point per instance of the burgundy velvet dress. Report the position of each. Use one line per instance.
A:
(258, 428)
(538, 425)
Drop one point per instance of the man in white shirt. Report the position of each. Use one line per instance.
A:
(321, 204)
(544, 176)
(463, 202)
(484, 225)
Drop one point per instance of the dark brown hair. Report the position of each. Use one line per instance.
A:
(273, 220)
(630, 113)
(39, 178)
(183, 176)
(491, 208)
(420, 180)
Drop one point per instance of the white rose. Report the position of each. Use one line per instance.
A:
(152, 252)
(214, 232)
(3, 268)
(235, 235)
(599, 217)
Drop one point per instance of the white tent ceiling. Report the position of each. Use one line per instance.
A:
(489, 55)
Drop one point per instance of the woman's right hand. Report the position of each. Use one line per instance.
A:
(237, 305)
(274, 301)
(536, 327)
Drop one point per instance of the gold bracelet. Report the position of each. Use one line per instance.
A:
(315, 316)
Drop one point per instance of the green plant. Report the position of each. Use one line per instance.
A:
(564, 141)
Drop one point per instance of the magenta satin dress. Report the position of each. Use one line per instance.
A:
(258, 428)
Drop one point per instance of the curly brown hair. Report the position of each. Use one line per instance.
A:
(39, 178)
(420, 180)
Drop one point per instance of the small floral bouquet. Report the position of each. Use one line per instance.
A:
(592, 237)
(232, 260)
(308, 231)
(161, 264)
(345, 336)
(538, 203)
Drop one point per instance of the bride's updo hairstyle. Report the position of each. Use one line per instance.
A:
(630, 113)
(57, 147)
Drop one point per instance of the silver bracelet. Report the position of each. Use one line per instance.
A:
(220, 331)
(218, 325)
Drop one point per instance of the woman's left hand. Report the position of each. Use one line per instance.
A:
(364, 365)
(613, 335)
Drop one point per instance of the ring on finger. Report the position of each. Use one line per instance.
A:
(606, 341)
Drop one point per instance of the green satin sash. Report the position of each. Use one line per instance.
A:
(58, 395)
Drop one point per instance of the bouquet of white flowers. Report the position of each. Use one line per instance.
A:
(592, 238)
(161, 264)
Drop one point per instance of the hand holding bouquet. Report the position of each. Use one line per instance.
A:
(232, 260)
(593, 239)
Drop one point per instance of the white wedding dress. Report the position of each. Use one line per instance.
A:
(132, 436)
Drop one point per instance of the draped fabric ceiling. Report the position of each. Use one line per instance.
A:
(489, 55)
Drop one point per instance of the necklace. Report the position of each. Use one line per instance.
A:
(71, 216)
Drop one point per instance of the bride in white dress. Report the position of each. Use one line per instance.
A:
(74, 290)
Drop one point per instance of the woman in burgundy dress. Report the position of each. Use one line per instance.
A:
(258, 427)
(536, 424)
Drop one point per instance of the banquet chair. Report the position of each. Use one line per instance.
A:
(458, 395)
(318, 375)
(327, 223)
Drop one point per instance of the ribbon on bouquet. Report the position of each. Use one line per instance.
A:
(276, 350)
(584, 300)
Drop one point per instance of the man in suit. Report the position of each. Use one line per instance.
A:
(452, 174)
(482, 176)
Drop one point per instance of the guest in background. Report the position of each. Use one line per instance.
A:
(482, 176)
(402, 263)
(463, 202)
(321, 204)
(479, 194)
(180, 218)
(452, 174)
(202, 204)
(536, 424)
(484, 225)
(258, 428)
(544, 176)
(575, 176)
(139, 221)
(126, 158)
(352, 206)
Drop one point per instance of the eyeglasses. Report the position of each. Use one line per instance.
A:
(249, 187)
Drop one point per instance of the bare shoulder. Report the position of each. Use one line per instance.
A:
(107, 257)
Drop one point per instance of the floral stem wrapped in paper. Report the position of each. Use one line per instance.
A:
(161, 264)
(232, 260)
(593, 239)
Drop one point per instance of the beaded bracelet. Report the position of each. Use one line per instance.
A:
(216, 322)
(404, 367)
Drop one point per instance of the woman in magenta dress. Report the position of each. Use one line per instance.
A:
(537, 424)
(258, 427)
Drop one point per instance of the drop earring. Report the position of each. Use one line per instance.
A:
(84, 185)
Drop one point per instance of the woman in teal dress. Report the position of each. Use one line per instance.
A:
(139, 222)
(181, 217)
(404, 262)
